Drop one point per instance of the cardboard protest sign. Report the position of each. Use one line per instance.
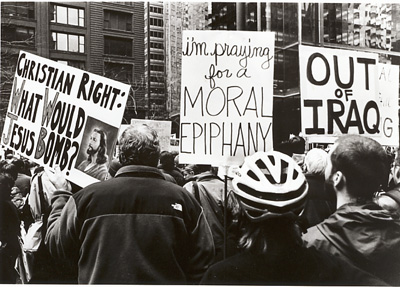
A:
(163, 129)
(60, 115)
(340, 95)
(226, 96)
(388, 80)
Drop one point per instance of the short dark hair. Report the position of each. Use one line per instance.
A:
(6, 183)
(363, 162)
(139, 145)
(10, 169)
(167, 160)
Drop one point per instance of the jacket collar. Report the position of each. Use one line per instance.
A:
(139, 171)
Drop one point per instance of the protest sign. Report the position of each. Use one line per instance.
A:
(163, 129)
(60, 115)
(340, 95)
(226, 96)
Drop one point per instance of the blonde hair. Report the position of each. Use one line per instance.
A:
(316, 161)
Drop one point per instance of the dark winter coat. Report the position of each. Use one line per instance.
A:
(134, 228)
(364, 235)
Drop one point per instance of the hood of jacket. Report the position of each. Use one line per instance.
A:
(363, 231)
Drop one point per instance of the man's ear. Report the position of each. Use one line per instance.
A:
(339, 180)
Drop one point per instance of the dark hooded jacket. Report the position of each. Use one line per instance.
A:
(364, 235)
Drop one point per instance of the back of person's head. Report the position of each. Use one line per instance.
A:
(272, 191)
(114, 166)
(6, 184)
(200, 168)
(11, 170)
(19, 163)
(363, 162)
(139, 145)
(315, 161)
(167, 160)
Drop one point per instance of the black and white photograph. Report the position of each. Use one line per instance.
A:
(200, 143)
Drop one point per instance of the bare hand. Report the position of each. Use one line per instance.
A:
(58, 179)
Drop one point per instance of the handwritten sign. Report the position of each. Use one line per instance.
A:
(163, 129)
(226, 96)
(57, 113)
(340, 95)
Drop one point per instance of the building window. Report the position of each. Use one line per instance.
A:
(68, 42)
(119, 72)
(18, 9)
(156, 34)
(156, 22)
(76, 64)
(158, 10)
(157, 57)
(17, 35)
(117, 20)
(362, 25)
(67, 15)
(157, 68)
(156, 45)
(117, 46)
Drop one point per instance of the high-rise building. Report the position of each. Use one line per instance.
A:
(105, 38)
(155, 60)
(179, 16)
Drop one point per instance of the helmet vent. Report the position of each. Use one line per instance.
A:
(253, 175)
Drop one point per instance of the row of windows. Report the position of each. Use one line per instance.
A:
(157, 68)
(158, 79)
(117, 20)
(156, 22)
(67, 15)
(156, 45)
(18, 9)
(156, 34)
(158, 10)
(157, 57)
(117, 46)
(68, 42)
(17, 35)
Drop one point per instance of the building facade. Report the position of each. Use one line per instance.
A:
(105, 38)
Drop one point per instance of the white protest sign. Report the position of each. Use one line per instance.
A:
(388, 79)
(226, 96)
(340, 94)
(60, 115)
(163, 129)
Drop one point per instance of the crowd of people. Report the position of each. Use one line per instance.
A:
(284, 217)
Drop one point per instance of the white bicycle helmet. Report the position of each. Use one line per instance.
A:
(270, 184)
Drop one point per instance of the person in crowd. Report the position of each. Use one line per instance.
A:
(209, 190)
(321, 201)
(11, 170)
(272, 190)
(189, 172)
(23, 181)
(390, 200)
(9, 231)
(96, 163)
(167, 165)
(114, 166)
(359, 231)
(135, 228)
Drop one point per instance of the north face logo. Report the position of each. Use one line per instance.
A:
(177, 206)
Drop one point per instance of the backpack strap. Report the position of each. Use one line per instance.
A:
(196, 191)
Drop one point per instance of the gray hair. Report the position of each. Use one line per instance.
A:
(316, 161)
(139, 145)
